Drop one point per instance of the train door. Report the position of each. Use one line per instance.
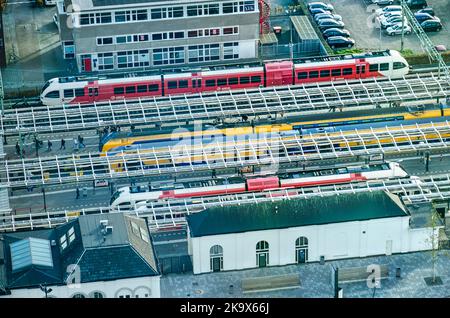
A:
(196, 85)
(92, 91)
(360, 69)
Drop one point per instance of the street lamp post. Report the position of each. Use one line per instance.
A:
(46, 290)
(403, 25)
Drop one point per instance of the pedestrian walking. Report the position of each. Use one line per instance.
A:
(18, 148)
(63, 144)
(441, 157)
(75, 143)
(49, 145)
(78, 193)
(80, 141)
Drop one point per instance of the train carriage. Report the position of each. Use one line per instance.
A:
(72, 90)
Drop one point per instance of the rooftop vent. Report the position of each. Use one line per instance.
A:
(109, 230)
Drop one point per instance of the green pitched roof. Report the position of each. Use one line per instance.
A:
(293, 213)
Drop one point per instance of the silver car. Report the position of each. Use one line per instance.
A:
(321, 16)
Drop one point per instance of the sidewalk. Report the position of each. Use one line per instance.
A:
(315, 280)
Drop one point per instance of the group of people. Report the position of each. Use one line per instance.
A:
(78, 143)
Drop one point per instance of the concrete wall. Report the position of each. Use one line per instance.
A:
(333, 241)
(110, 289)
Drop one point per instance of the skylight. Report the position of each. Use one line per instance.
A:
(31, 251)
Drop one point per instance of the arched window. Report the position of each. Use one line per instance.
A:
(262, 254)
(97, 294)
(216, 258)
(301, 250)
(78, 295)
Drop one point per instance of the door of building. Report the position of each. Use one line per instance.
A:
(87, 64)
(216, 264)
(301, 256)
(262, 259)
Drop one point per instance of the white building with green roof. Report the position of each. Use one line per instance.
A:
(300, 231)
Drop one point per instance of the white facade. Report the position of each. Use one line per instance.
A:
(141, 287)
(333, 241)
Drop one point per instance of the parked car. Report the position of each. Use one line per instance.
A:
(335, 32)
(392, 20)
(330, 23)
(417, 4)
(420, 17)
(388, 9)
(382, 19)
(320, 5)
(340, 41)
(321, 16)
(384, 2)
(428, 10)
(314, 12)
(431, 25)
(397, 29)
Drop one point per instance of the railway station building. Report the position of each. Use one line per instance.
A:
(317, 229)
(118, 35)
(93, 256)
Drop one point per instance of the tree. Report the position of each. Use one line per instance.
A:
(3, 4)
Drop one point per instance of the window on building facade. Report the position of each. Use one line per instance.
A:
(69, 49)
(230, 30)
(105, 41)
(105, 61)
(137, 58)
(211, 9)
(164, 56)
(206, 52)
(231, 51)
(78, 295)
(229, 7)
(97, 294)
(130, 15)
(193, 11)
(95, 18)
(246, 6)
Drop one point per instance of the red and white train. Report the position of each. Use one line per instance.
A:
(137, 196)
(70, 90)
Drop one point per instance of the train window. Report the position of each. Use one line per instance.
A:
(336, 72)
(196, 83)
(398, 65)
(221, 82)
(153, 87)
(210, 83)
(130, 89)
(52, 94)
(256, 79)
(384, 66)
(325, 73)
(142, 88)
(244, 80)
(183, 84)
(302, 75)
(347, 71)
(233, 81)
(373, 67)
(68, 93)
(314, 74)
(79, 92)
(172, 84)
(118, 90)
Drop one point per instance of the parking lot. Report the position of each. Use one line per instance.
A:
(358, 17)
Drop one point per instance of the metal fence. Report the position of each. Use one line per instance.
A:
(305, 48)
